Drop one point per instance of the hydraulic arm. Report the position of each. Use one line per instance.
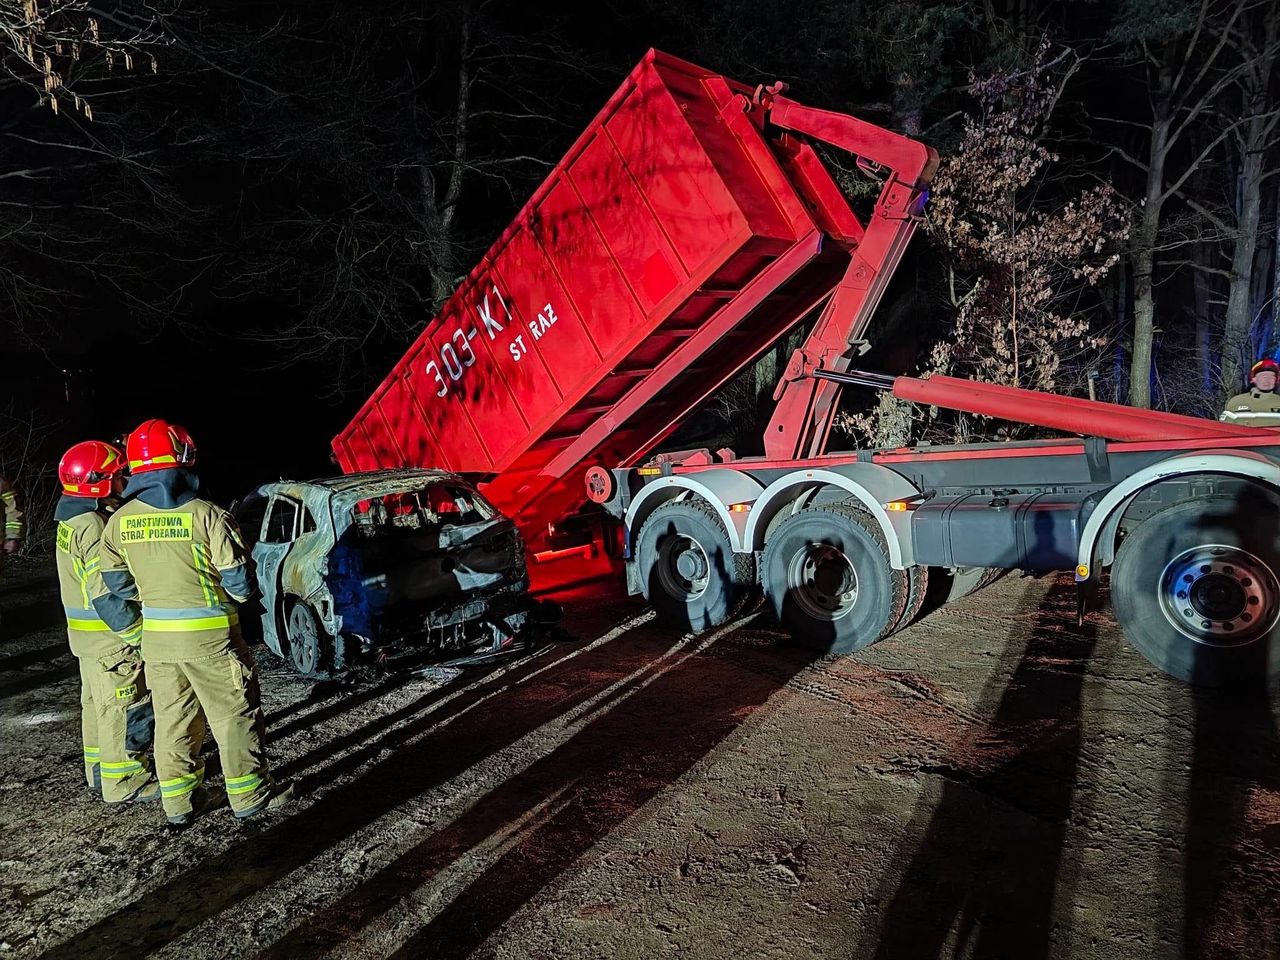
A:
(806, 406)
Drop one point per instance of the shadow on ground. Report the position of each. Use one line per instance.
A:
(983, 880)
(666, 712)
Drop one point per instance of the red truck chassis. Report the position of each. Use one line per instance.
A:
(691, 226)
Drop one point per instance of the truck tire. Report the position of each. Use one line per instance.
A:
(917, 587)
(1196, 591)
(688, 570)
(826, 574)
(311, 651)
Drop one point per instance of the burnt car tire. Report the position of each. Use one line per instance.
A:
(827, 576)
(688, 570)
(1196, 588)
(311, 651)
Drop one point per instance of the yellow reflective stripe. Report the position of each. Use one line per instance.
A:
(180, 786)
(92, 752)
(238, 785)
(198, 623)
(163, 458)
(118, 770)
(199, 552)
(93, 566)
(132, 634)
(87, 626)
(79, 570)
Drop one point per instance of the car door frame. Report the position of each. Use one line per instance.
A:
(269, 558)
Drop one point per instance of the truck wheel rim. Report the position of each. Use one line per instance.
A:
(822, 582)
(1219, 595)
(683, 568)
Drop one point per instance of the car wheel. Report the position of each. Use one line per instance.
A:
(311, 649)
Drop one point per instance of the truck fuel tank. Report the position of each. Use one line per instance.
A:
(1006, 529)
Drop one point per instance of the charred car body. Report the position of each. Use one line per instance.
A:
(381, 566)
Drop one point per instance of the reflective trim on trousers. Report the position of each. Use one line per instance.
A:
(91, 754)
(238, 785)
(133, 634)
(120, 769)
(180, 786)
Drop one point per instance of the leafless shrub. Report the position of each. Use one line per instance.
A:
(24, 442)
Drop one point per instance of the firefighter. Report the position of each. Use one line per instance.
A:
(1260, 406)
(104, 631)
(183, 558)
(11, 523)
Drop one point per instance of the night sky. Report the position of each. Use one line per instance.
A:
(262, 116)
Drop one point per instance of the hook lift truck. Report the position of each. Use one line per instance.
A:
(688, 229)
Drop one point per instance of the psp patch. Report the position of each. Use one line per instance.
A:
(124, 693)
(155, 526)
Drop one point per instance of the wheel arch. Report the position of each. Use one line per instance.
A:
(1098, 539)
(871, 484)
(719, 488)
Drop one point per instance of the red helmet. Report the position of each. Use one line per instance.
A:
(160, 445)
(1265, 365)
(87, 469)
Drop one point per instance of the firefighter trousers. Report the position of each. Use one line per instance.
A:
(115, 722)
(218, 693)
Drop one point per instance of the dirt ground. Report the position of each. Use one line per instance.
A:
(992, 782)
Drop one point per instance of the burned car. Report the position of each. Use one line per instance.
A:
(389, 566)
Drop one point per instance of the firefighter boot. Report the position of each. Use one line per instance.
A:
(281, 795)
(149, 792)
(197, 802)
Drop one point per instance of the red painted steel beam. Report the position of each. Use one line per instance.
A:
(806, 407)
(1091, 418)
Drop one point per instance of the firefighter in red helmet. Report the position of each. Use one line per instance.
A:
(1260, 405)
(104, 631)
(183, 558)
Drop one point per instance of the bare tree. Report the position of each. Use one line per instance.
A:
(412, 133)
(1187, 56)
(79, 181)
(61, 49)
(1255, 132)
(1018, 266)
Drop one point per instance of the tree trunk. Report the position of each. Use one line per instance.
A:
(1275, 281)
(1237, 346)
(1144, 255)
(439, 211)
(1143, 314)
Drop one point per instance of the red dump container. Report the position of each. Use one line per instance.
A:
(675, 241)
